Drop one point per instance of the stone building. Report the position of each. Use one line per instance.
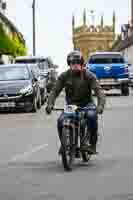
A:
(124, 43)
(90, 38)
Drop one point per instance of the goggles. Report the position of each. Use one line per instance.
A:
(76, 61)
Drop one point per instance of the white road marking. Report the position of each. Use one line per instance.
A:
(28, 153)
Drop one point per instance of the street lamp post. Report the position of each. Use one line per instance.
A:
(34, 28)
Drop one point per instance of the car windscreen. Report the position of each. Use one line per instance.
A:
(106, 59)
(43, 65)
(28, 61)
(14, 73)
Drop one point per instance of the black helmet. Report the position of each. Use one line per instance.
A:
(75, 57)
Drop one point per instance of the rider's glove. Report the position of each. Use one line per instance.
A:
(99, 109)
(48, 109)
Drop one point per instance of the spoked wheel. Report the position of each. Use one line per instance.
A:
(67, 153)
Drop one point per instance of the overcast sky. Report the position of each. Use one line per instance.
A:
(54, 19)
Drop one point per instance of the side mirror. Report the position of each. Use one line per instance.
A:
(35, 79)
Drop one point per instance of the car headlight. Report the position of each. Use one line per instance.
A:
(27, 90)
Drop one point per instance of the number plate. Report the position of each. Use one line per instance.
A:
(70, 108)
(107, 80)
(7, 104)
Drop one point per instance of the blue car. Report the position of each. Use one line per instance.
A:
(111, 69)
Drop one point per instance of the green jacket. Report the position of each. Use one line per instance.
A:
(78, 88)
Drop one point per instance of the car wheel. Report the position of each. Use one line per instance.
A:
(27, 109)
(34, 105)
(125, 90)
(39, 102)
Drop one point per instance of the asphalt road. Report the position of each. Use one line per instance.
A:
(30, 168)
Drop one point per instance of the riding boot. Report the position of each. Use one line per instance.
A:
(93, 142)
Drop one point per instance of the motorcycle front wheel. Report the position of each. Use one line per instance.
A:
(67, 151)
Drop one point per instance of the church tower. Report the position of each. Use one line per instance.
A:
(91, 38)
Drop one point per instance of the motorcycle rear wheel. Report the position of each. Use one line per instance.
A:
(85, 154)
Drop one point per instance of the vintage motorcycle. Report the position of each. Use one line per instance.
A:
(74, 132)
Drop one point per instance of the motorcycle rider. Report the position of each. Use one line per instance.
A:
(78, 84)
(51, 79)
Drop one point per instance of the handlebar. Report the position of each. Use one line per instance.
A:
(62, 109)
(58, 109)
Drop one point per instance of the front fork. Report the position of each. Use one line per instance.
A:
(73, 140)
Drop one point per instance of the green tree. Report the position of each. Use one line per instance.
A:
(10, 46)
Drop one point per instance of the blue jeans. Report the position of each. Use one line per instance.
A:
(92, 125)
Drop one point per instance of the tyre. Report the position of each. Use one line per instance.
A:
(28, 109)
(43, 97)
(67, 152)
(125, 90)
(84, 154)
(39, 104)
(34, 105)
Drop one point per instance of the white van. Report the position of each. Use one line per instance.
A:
(41, 61)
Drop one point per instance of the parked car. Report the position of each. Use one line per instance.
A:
(43, 63)
(130, 70)
(111, 69)
(19, 88)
